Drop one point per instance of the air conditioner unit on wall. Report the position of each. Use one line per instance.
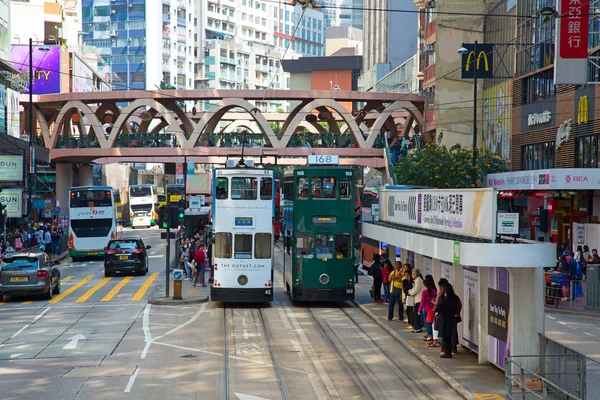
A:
(428, 48)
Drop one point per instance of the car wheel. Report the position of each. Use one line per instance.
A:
(57, 288)
(106, 274)
(75, 259)
(48, 295)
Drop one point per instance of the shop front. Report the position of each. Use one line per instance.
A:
(569, 195)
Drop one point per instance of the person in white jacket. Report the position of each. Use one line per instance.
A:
(415, 292)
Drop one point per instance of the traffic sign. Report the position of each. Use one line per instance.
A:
(178, 275)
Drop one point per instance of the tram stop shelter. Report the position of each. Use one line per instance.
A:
(454, 234)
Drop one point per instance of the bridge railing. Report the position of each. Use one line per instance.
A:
(220, 139)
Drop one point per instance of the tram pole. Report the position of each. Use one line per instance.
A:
(168, 246)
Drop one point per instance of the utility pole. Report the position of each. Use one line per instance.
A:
(168, 248)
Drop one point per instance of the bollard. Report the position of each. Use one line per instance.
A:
(177, 284)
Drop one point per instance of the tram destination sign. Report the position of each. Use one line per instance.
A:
(468, 212)
(323, 160)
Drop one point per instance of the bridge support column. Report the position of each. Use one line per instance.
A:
(64, 181)
(86, 175)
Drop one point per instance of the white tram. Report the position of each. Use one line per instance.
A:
(243, 212)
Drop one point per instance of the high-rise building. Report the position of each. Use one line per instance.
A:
(339, 37)
(331, 12)
(306, 28)
(143, 43)
(351, 13)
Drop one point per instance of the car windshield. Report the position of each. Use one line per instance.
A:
(18, 263)
(123, 244)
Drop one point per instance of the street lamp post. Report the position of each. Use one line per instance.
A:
(463, 50)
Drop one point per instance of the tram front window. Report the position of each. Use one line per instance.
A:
(223, 245)
(324, 245)
(266, 188)
(346, 188)
(302, 188)
(343, 245)
(222, 188)
(262, 245)
(304, 244)
(323, 188)
(243, 188)
(243, 246)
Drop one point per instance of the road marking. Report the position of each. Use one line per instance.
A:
(27, 302)
(562, 323)
(68, 278)
(246, 334)
(2, 303)
(113, 292)
(84, 297)
(132, 379)
(40, 315)
(146, 328)
(488, 396)
(74, 341)
(242, 396)
(551, 317)
(71, 289)
(142, 291)
(586, 333)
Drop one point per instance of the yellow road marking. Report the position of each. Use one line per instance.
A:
(71, 289)
(68, 278)
(488, 396)
(93, 290)
(27, 302)
(142, 291)
(116, 289)
(2, 303)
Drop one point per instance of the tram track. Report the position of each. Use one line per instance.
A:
(227, 387)
(352, 367)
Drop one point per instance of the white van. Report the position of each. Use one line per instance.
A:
(141, 219)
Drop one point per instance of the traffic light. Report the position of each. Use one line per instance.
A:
(3, 213)
(163, 217)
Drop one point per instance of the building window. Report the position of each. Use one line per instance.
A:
(537, 156)
(586, 152)
(539, 86)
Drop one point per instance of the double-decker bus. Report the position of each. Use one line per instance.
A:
(243, 211)
(92, 220)
(322, 233)
(142, 198)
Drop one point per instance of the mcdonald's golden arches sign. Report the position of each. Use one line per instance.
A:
(478, 60)
(583, 110)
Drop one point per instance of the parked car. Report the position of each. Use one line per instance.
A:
(141, 219)
(126, 255)
(28, 273)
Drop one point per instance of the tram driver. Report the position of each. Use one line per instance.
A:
(322, 252)
(221, 193)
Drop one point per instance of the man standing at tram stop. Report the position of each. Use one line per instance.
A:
(200, 259)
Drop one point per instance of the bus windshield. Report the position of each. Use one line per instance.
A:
(140, 191)
(90, 198)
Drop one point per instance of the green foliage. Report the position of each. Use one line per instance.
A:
(275, 127)
(167, 86)
(441, 167)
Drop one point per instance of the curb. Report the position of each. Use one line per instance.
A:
(164, 301)
(582, 314)
(453, 383)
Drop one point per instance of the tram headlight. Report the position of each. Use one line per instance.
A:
(242, 279)
(324, 279)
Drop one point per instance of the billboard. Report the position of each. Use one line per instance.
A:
(12, 113)
(13, 199)
(468, 212)
(11, 168)
(46, 67)
(572, 29)
(477, 60)
(83, 76)
(497, 119)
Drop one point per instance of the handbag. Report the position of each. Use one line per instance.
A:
(430, 315)
(438, 321)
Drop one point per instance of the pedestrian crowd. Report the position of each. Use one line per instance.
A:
(572, 267)
(196, 253)
(421, 303)
(46, 237)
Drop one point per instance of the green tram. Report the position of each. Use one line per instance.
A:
(322, 233)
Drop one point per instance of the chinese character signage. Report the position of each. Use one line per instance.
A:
(498, 303)
(572, 28)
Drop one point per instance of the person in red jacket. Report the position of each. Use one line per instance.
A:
(200, 261)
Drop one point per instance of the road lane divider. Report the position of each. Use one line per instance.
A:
(71, 289)
(84, 297)
(68, 278)
(113, 292)
(142, 290)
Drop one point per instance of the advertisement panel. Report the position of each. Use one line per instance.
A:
(470, 301)
(46, 67)
(13, 117)
(468, 212)
(497, 315)
(11, 168)
(13, 199)
(83, 76)
(447, 271)
(546, 179)
(497, 119)
(427, 266)
(499, 304)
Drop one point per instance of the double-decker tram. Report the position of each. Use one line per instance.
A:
(322, 232)
(243, 212)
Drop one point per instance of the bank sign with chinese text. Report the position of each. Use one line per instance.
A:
(546, 179)
(468, 212)
(572, 29)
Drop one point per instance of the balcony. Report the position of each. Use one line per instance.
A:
(430, 32)
(429, 74)
(227, 60)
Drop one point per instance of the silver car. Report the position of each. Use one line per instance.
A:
(28, 273)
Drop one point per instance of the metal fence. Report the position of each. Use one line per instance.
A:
(558, 372)
(573, 295)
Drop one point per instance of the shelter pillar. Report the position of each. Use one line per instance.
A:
(482, 295)
(86, 175)
(64, 181)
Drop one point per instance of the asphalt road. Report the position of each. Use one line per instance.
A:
(100, 339)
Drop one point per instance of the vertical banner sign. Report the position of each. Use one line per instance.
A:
(572, 29)
(447, 271)
(499, 303)
(12, 113)
(427, 266)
